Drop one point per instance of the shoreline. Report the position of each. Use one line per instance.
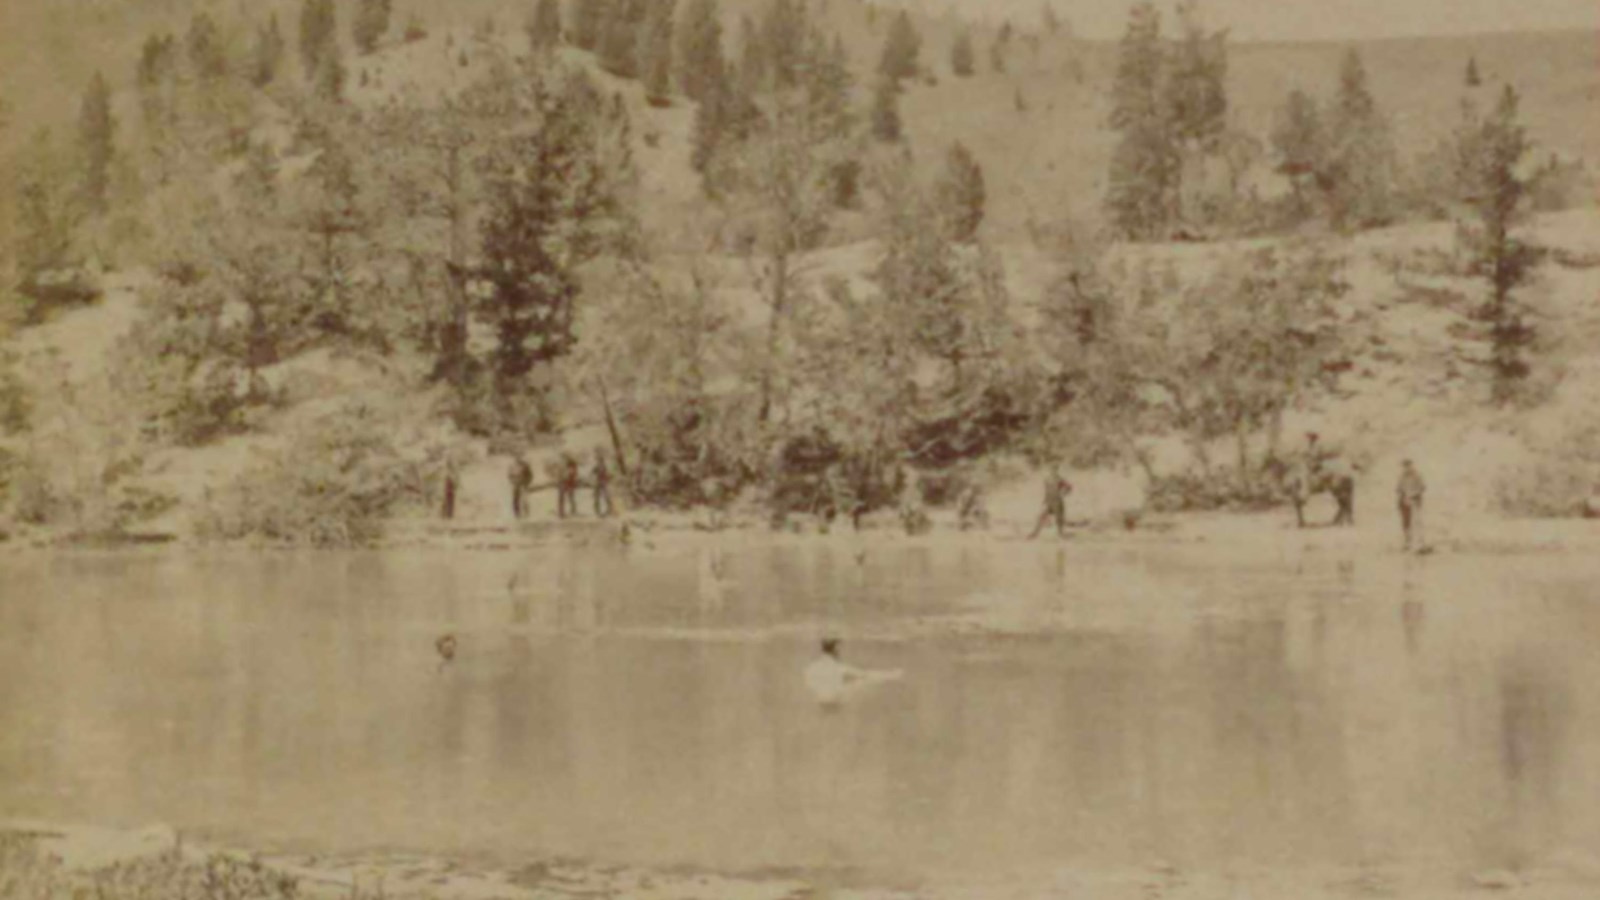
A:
(654, 531)
(86, 857)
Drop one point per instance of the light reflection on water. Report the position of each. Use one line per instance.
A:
(1137, 704)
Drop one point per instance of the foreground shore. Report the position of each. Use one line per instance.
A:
(49, 860)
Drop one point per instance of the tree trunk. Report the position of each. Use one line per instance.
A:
(611, 426)
(780, 303)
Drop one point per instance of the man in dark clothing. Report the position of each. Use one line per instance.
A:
(567, 489)
(521, 477)
(602, 485)
(1409, 495)
(1056, 490)
(451, 477)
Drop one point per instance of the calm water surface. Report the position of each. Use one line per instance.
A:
(1144, 703)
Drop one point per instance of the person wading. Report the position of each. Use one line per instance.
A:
(1408, 492)
(1056, 490)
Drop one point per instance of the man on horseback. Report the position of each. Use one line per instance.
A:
(1319, 470)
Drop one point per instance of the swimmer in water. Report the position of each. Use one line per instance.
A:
(832, 681)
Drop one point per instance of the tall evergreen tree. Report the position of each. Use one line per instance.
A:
(619, 42)
(95, 135)
(785, 30)
(329, 80)
(544, 29)
(828, 81)
(318, 33)
(1051, 21)
(900, 49)
(1359, 178)
(655, 51)
(725, 118)
(207, 57)
(701, 64)
(1492, 155)
(1301, 146)
(961, 194)
(1196, 96)
(753, 66)
(961, 54)
(886, 123)
(586, 21)
(1144, 165)
(551, 200)
(269, 52)
(370, 24)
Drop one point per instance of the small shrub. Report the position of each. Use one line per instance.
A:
(1194, 491)
(1559, 483)
(335, 485)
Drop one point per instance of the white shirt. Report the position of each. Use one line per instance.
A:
(831, 681)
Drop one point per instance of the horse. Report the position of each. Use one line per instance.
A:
(1302, 482)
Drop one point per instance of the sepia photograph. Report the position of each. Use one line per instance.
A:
(799, 449)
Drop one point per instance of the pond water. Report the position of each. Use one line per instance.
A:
(1128, 704)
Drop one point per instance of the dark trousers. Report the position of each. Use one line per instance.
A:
(1059, 513)
(567, 501)
(602, 500)
(519, 501)
(1411, 522)
(449, 510)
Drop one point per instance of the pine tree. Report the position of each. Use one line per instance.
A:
(1052, 22)
(544, 29)
(886, 124)
(655, 52)
(551, 200)
(1493, 152)
(619, 43)
(1196, 98)
(752, 58)
(1144, 166)
(1359, 172)
(207, 58)
(269, 52)
(784, 34)
(48, 209)
(1473, 78)
(724, 119)
(961, 55)
(334, 218)
(329, 80)
(1301, 147)
(95, 133)
(701, 65)
(318, 32)
(900, 49)
(828, 82)
(961, 194)
(370, 24)
(590, 21)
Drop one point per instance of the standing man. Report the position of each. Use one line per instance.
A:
(452, 475)
(1409, 494)
(567, 490)
(521, 477)
(1056, 490)
(602, 485)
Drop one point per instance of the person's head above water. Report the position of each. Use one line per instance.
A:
(830, 646)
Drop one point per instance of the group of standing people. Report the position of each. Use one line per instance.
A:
(520, 479)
